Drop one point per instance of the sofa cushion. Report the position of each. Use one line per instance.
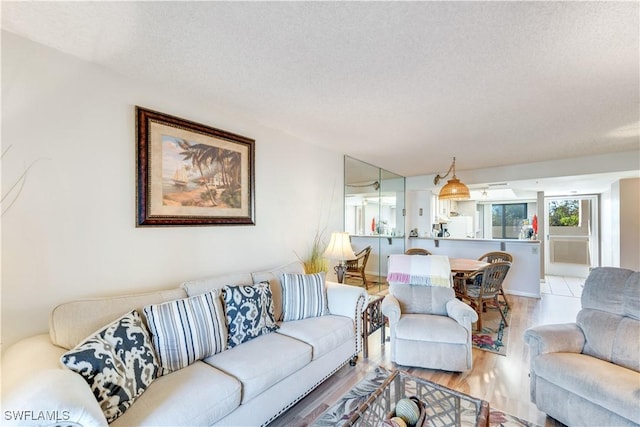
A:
(273, 277)
(609, 316)
(323, 333)
(611, 337)
(247, 362)
(632, 296)
(187, 329)
(421, 327)
(606, 289)
(118, 362)
(65, 330)
(208, 284)
(605, 384)
(303, 295)
(249, 312)
(197, 395)
(418, 299)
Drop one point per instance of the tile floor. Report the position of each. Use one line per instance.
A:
(563, 286)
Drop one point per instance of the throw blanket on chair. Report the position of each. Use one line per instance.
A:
(427, 270)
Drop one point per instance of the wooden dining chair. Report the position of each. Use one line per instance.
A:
(356, 267)
(417, 251)
(485, 289)
(498, 256)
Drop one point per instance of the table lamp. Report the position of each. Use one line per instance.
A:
(339, 248)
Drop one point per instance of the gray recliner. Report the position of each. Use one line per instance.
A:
(429, 327)
(587, 373)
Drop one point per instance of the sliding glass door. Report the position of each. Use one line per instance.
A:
(572, 235)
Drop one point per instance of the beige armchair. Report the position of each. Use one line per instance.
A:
(429, 327)
(587, 373)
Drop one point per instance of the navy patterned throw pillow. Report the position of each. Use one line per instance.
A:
(118, 362)
(249, 311)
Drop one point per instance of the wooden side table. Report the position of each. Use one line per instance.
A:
(372, 320)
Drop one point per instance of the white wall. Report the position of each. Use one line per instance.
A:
(630, 223)
(607, 253)
(620, 243)
(71, 234)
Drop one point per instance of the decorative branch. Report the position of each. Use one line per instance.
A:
(20, 181)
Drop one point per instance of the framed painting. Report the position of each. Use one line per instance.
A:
(192, 174)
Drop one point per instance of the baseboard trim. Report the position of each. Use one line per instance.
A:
(522, 294)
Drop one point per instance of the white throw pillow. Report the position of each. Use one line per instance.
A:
(187, 330)
(303, 296)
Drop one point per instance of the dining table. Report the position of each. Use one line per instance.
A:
(461, 269)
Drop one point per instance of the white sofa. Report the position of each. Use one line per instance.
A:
(249, 385)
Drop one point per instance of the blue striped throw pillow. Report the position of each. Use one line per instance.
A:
(303, 296)
(187, 330)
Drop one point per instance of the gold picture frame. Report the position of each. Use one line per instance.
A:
(190, 174)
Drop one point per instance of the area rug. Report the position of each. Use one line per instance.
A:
(494, 335)
(339, 413)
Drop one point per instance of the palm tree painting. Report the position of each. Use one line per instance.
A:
(202, 175)
(192, 174)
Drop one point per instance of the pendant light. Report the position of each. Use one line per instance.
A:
(453, 189)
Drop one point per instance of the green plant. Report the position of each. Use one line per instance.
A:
(316, 262)
(564, 213)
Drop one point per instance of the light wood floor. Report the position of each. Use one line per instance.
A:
(501, 380)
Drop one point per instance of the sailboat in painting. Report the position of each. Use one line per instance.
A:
(180, 177)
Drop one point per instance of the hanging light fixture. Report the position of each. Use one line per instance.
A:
(453, 189)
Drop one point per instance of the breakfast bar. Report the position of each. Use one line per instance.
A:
(523, 278)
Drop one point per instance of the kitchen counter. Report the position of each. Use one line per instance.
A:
(524, 276)
(476, 240)
(386, 236)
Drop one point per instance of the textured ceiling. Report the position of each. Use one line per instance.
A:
(402, 85)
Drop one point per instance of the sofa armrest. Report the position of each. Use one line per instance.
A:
(27, 358)
(565, 338)
(391, 308)
(543, 339)
(461, 313)
(346, 300)
(35, 385)
(59, 395)
(349, 301)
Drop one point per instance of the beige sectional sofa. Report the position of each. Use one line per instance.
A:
(587, 373)
(249, 384)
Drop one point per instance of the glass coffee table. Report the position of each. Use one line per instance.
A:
(444, 406)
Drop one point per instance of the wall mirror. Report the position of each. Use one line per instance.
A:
(374, 215)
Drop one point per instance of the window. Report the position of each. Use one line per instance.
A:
(564, 213)
(507, 219)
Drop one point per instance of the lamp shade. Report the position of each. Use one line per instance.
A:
(454, 190)
(339, 247)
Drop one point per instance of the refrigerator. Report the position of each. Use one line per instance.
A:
(460, 227)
